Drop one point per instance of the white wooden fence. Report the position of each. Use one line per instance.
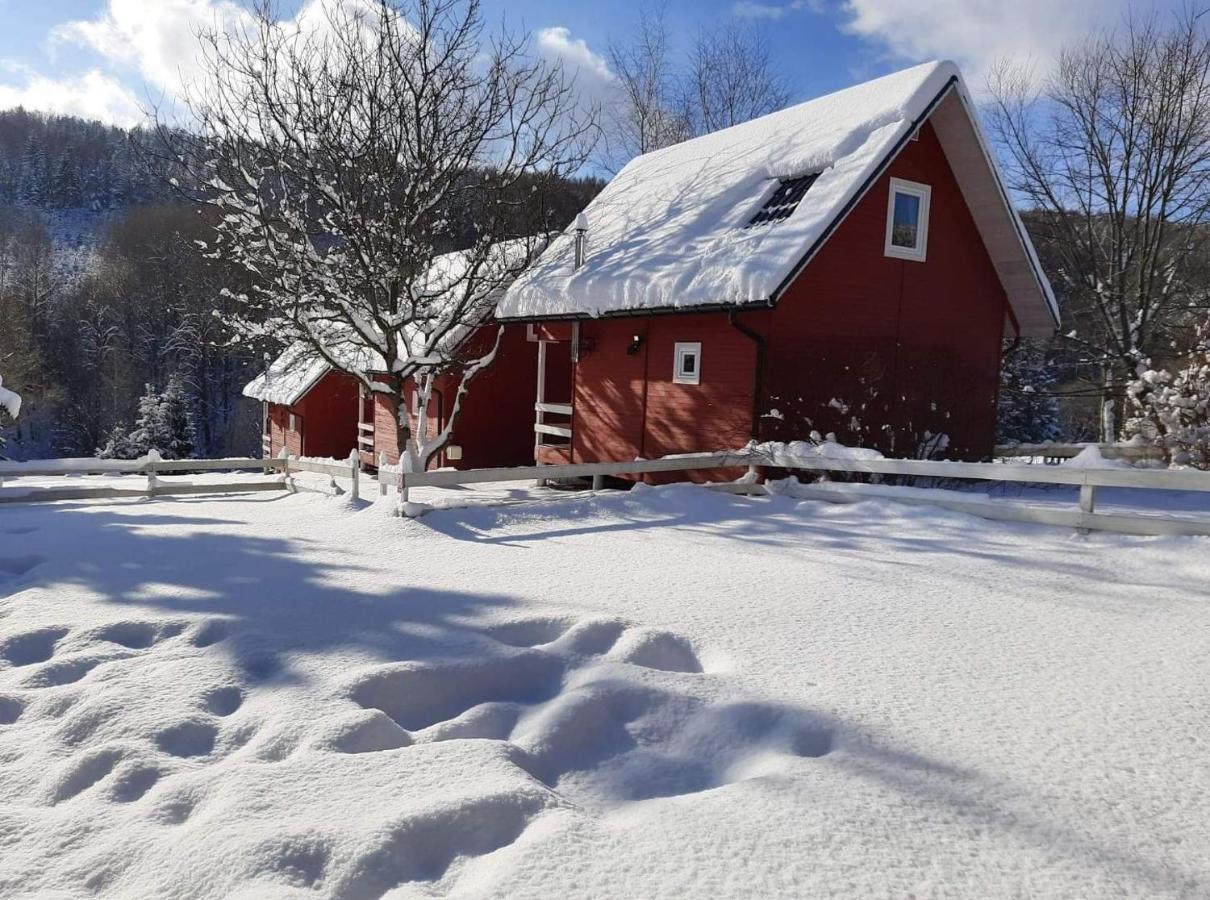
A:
(1084, 516)
(279, 467)
(1058, 452)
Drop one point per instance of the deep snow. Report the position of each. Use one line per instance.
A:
(661, 693)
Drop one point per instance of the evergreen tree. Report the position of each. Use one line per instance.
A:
(177, 418)
(118, 444)
(33, 172)
(164, 424)
(65, 191)
(1028, 412)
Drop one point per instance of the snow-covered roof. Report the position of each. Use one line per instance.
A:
(669, 231)
(289, 377)
(300, 366)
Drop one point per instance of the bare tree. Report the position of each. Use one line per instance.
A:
(341, 158)
(662, 97)
(731, 78)
(646, 115)
(1112, 159)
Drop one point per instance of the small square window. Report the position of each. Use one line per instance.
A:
(907, 220)
(687, 363)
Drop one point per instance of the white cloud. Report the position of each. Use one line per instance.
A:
(978, 33)
(157, 38)
(93, 95)
(757, 9)
(557, 44)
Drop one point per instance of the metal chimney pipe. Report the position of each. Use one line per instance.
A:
(581, 238)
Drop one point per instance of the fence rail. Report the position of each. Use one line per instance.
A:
(1084, 517)
(1127, 452)
(281, 467)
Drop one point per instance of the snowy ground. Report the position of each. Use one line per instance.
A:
(662, 693)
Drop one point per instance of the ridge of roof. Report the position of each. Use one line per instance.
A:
(666, 233)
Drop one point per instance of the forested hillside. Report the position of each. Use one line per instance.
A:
(104, 292)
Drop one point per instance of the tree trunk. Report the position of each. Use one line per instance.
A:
(1109, 404)
(403, 427)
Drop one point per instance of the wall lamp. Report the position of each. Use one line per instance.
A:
(635, 342)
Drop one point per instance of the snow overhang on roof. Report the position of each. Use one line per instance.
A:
(300, 366)
(289, 377)
(668, 232)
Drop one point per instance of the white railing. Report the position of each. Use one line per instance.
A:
(1084, 516)
(152, 467)
(1127, 452)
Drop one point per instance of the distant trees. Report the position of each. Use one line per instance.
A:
(1028, 410)
(661, 98)
(1112, 160)
(730, 78)
(646, 114)
(63, 163)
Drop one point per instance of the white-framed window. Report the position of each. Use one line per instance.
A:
(291, 424)
(687, 363)
(907, 220)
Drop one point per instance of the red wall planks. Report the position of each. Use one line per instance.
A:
(882, 351)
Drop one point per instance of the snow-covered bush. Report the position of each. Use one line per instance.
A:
(164, 424)
(1172, 411)
(1028, 410)
(10, 407)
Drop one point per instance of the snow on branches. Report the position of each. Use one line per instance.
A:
(375, 177)
(10, 406)
(1172, 410)
(10, 401)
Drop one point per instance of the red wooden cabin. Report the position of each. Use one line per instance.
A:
(307, 408)
(485, 434)
(848, 265)
(311, 409)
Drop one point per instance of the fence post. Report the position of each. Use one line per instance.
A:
(153, 456)
(598, 482)
(383, 476)
(1088, 498)
(355, 467)
(403, 487)
(284, 456)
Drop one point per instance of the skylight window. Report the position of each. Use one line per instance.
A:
(784, 200)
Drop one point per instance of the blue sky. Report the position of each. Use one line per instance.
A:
(105, 58)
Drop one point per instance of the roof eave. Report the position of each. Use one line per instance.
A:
(766, 303)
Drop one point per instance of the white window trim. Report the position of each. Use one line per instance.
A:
(291, 423)
(924, 192)
(679, 352)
